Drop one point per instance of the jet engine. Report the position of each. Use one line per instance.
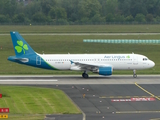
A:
(105, 70)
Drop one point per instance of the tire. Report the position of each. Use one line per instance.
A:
(135, 76)
(84, 75)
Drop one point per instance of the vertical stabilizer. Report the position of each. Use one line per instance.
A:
(21, 47)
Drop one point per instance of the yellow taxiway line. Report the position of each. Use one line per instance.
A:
(147, 91)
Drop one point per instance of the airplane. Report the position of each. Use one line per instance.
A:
(103, 64)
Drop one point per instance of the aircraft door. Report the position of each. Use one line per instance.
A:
(38, 60)
(135, 60)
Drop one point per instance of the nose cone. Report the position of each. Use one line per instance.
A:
(152, 64)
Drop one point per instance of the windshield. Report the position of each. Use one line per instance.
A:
(144, 59)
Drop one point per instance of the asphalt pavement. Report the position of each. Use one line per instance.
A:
(119, 97)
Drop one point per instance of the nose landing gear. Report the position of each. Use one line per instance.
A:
(134, 74)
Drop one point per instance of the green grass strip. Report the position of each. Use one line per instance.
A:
(35, 102)
(81, 28)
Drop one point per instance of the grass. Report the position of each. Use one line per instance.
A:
(31, 103)
(82, 29)
(74, 44)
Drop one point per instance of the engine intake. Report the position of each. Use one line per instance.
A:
(105, 71)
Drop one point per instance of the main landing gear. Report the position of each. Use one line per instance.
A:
(85, 75)
(134, 74)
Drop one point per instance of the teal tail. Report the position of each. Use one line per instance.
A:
(21, 47)
(24, 54)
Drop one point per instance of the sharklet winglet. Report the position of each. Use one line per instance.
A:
(71, 61)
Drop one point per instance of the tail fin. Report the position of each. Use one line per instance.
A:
(21, 47)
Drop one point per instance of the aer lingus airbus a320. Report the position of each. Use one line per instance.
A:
(103, 64)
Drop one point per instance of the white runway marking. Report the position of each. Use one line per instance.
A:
(80, 34)
(76, 79)
(28, 80)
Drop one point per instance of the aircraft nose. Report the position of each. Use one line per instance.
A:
(152, 64)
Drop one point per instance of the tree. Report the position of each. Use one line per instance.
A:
(119, 18)
(84, 11)
(73, 17)
(108, 6)
(110, 18)
(39, 17)
(60, 13)
(138, 6)
(3, 19)
(46, 5)
(140, 18)
(157, 8)
(97, 19)
(8, 7)
(124, 7)
(62, 22)
(18, 18)
(32, 8)
(149, 17)
(129, 18)
(158, 18)
(52, 13)
(20, 8)
(71, 7)
(85, 20)
(152, 6)
(112, 6)
(88, 8)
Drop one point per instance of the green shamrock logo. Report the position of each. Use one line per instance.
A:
(128, 56)
(21, 47)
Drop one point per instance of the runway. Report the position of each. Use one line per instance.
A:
(77, 79)
(109, 98)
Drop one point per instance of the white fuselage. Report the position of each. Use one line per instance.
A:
(116, 61)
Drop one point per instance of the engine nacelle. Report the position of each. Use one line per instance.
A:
(105, 71)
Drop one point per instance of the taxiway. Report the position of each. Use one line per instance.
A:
(108, 98)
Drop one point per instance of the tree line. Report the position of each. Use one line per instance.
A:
(79, 11)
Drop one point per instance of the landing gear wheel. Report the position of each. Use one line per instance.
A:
(134, 74)
(84, 75)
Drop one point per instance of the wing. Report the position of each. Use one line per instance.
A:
(87, 66)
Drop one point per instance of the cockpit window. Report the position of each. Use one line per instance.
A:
(144, 59)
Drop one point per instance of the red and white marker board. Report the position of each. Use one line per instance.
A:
(134, 100)
(4, 110)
